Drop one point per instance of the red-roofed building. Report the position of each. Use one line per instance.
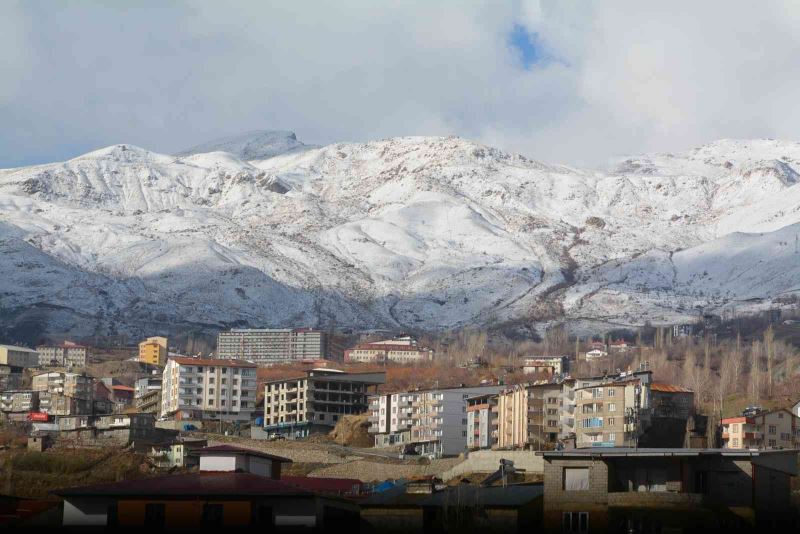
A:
(400, 350)
(122, 394)
(344, 487)
(234, 487)
(671, 401)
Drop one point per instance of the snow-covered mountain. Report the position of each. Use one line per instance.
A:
(408, 233)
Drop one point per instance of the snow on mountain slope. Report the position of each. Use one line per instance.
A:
(415, 232)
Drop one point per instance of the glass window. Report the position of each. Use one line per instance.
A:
(576, 479)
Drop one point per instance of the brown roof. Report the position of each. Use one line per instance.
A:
(120, 387)
(230, 449)
(228, 484)
(213, 362)
(324, 485)
(668, 388)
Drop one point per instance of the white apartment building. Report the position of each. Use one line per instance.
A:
(194, 388)
(297, 407)
(438, 418)
(481, 415)
(400, 350)
(266, 346)
(67, 354)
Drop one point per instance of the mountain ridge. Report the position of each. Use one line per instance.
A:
(406, 233)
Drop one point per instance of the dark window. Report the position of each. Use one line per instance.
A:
(575, 522)
(213, 514)
(154, 515)
(112, 518)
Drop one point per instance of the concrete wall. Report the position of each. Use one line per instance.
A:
(489, 462)
(86, 512)
(557, 500)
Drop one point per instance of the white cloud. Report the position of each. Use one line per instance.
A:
(627, 77)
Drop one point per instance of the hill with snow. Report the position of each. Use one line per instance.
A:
(405, 233)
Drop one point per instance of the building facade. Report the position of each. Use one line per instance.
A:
(69, 384)
(154, 351)
(194, 388)
(20, 401)
(551, 365)
(776, 429)
(297, 407)
(536, 416)
(481, 416)
(18, 356)
(266, 346)
(402, 350)
(67, 354)
(658, 490)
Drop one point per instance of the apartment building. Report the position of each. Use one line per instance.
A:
(194, 388)
(775, 429)
(436, 420)
(402, 350)
(10, 377)
(266, 346)
(18, 356)
(150, 402)
(69, 384)
(154, 351)
(481, 416)
(19, 401)
(147, 384)
(54, 403)
(297, 407)
(535, 415)
(390, 418)
(551, 365)
(67, 354)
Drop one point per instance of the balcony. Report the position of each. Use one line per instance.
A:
(656, 499)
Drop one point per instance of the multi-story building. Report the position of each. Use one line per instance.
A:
(54, 403)
(20, 401)
(18, 356)
(532, 415)
(436, 420)
(776, 429)
(297, 407)
(69, 384)
(670, 401)
(154, 351)
(147, 384)
(150, 402)
(481, 415)
(194, 388)
(67, 354)
(10, 377)
(613, 411)
(552, 365)
(401, 350)
(390, 418)
(266, 346)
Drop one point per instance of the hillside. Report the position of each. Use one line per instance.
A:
(407, 233)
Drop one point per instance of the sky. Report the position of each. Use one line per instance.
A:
(573, 82)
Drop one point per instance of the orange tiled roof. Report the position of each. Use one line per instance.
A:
(668, 388)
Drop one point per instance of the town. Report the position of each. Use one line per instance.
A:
(305, 428)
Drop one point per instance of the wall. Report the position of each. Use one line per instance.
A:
(180, 513)
(85, 511)
(489, 462)
(594, 500)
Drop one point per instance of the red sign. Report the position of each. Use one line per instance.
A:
(38, 416)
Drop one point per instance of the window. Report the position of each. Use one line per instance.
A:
(213, 514)
(612, 392)
(575, 522)
(610, 421)
(612, 407)
(612, 437)
(576, 479)
(772, 429)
